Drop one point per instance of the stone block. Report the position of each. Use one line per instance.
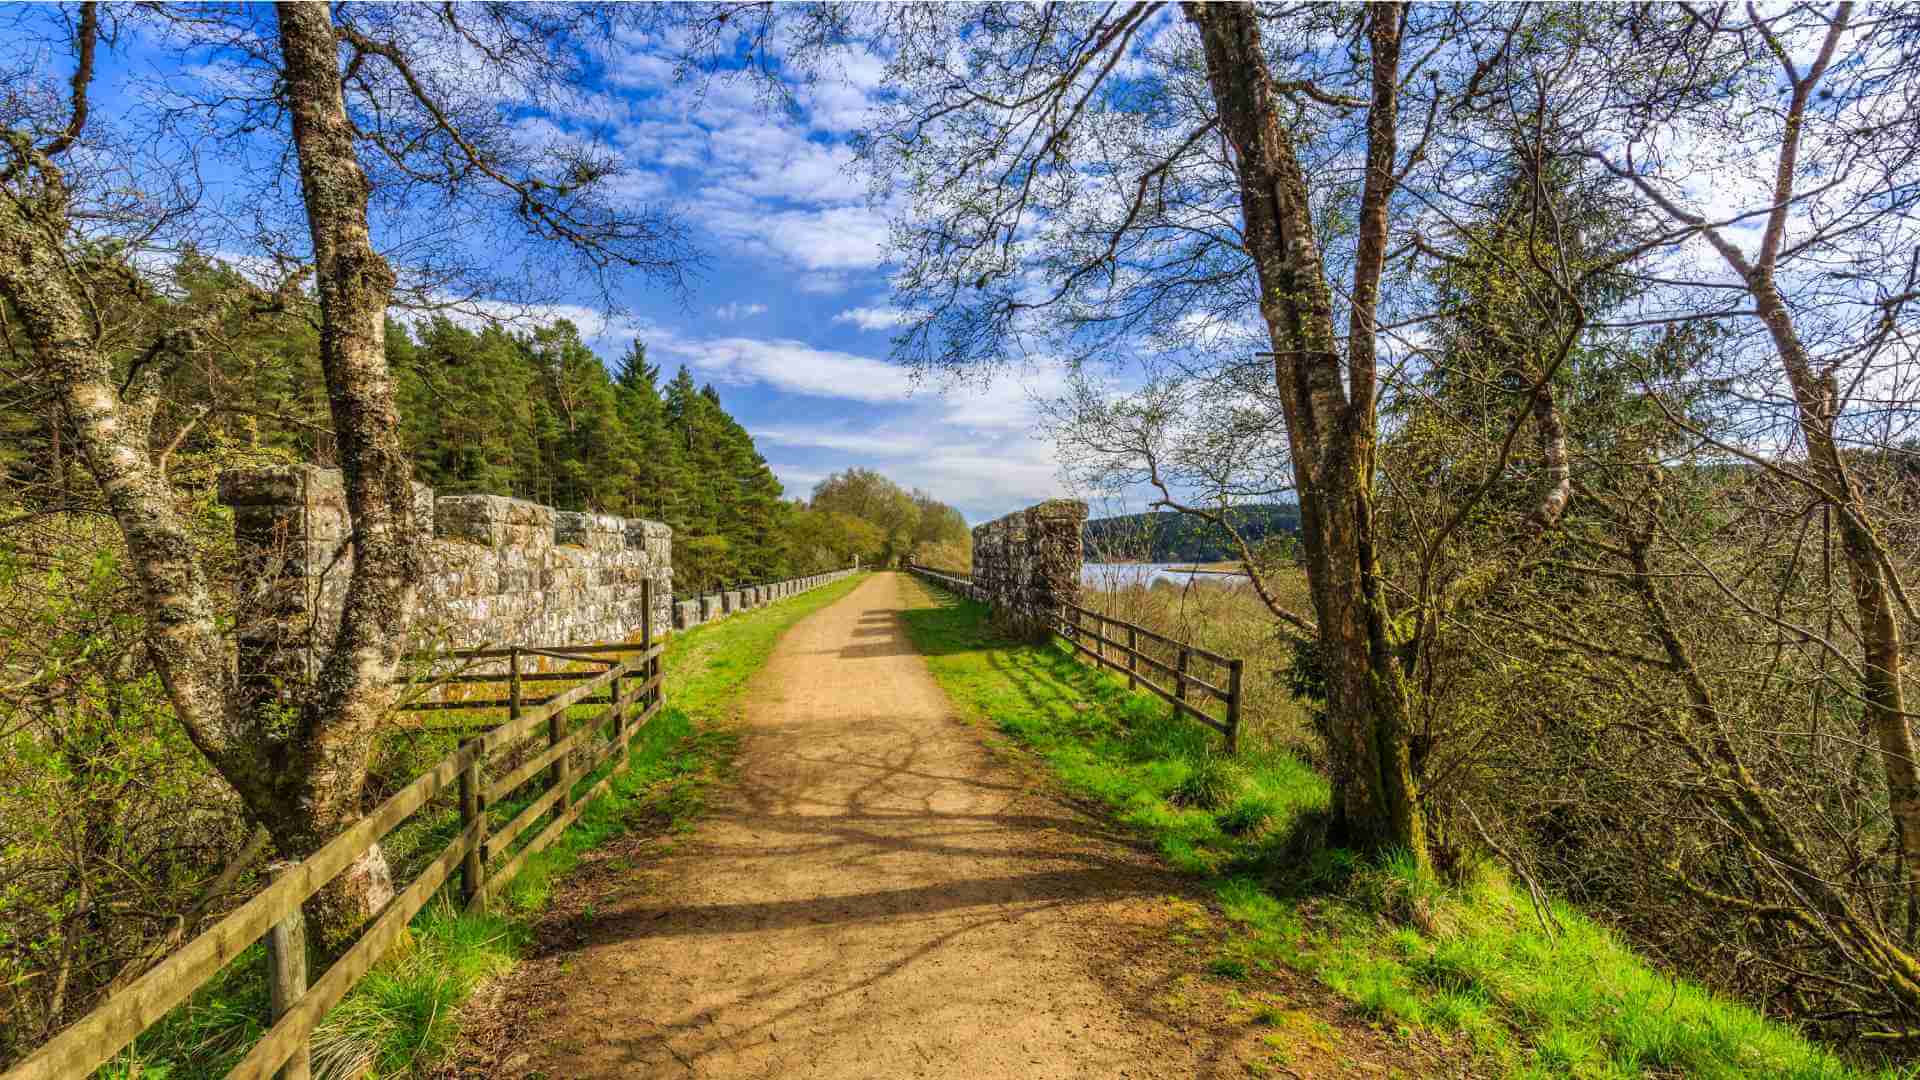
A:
(652, 537)
(596, 532)
(470, 519)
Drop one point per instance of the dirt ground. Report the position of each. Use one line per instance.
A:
(879, 893)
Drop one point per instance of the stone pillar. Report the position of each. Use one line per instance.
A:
(649, 554)
(1027, 564)
(1053, 562)
(290, 524)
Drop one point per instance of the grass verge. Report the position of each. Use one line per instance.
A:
(403, 1018)
(1519, 992)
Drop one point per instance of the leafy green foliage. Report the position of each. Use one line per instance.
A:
(903, 522)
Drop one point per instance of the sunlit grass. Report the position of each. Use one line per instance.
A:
(1471, 962)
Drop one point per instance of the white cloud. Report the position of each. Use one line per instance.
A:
(1008, 403)
(768, 183)
(971, 444)
(983, 477)
(734, 309)
(837, 437)
(823, 282)
(788, 365)
(779, 161)
(873, 318)
(833, 238)
(636, 65)
(797, 481)
(841, 101)
(634, 186)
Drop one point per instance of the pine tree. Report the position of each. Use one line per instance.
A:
(652, 476)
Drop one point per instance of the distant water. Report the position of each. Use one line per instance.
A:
(1120, 575)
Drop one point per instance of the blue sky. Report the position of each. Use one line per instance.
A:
(789, 318)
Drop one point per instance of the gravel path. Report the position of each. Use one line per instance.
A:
(878, 893)
(873, 896)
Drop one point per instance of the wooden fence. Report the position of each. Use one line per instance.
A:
(1116, 644)
(628, 683)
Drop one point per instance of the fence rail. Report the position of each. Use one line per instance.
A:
(1127, 657)
(631, 682)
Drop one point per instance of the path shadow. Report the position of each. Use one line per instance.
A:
(1013, 891)
(894, 647)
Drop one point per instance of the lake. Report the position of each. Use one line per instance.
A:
(1120, 575)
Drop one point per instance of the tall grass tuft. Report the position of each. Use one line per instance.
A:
(1211, 783)
(405, 1014)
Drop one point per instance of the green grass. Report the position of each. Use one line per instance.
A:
(1471, 962)
(403, 1018)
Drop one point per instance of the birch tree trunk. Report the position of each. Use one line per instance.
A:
(354, 284)
(1331, 427)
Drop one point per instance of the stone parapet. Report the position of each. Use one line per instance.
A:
(496, 570)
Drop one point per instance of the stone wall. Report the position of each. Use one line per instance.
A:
(498, 571)
(1025, 565)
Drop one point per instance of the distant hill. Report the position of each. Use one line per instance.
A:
(1167, 536)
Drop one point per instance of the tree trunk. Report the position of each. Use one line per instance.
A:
(1331, 427)
(1870, 570)
(1869, 574)
(351, 694)
(111, 426)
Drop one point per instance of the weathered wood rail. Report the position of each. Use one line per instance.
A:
(629, 684)
(1116, 644)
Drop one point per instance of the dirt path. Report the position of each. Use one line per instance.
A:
(874, 896)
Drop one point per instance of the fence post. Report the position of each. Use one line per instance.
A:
(624, 709)
(1233, 704)
(618, 751)
(557, 773)
(473, 868)
(1180, 676)
(287, 983)
(513, 683)
(1133, 645)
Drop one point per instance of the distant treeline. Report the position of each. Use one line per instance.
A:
(1168, 536)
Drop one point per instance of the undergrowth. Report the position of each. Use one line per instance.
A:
(403, 1018)
(1521, 992)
